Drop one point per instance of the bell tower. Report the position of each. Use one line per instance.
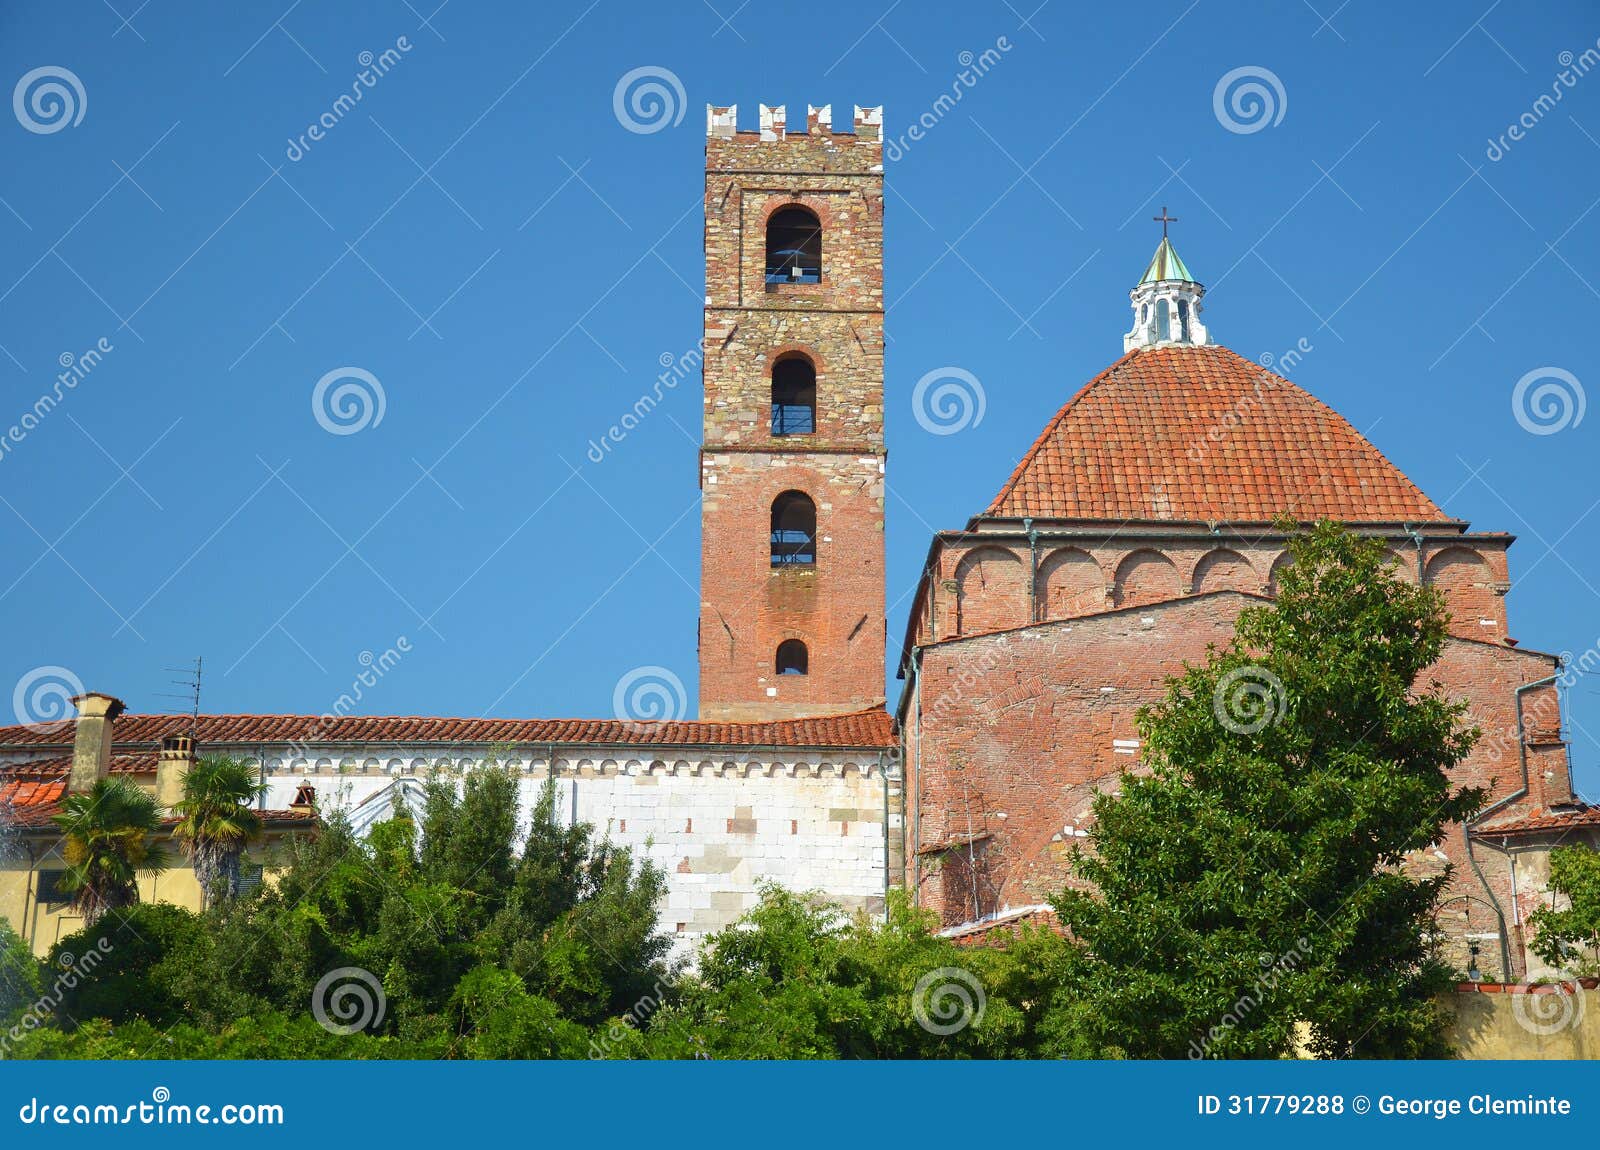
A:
(792, 457)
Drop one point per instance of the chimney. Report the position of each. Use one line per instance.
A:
(91, 742)
(305, 800)
(177, 756)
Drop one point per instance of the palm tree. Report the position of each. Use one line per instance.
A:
(108, 842)
(216, 821)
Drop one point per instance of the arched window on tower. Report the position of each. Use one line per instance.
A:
(794, 396)
(792, 658)
(794, 247)
(794, 530)
(1183, 321)
(1163, 321)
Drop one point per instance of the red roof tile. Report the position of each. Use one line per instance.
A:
(1202, 434)
(864, 729)
(1539, 820)
(30, 802)
(122, 762)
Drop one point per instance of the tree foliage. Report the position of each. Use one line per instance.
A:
(108, 840)
(1248, 887)
(1570, 938)
(216, 822)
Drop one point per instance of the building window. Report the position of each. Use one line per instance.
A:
(794, 396)
(1183, 321)
(794, 247)
(50, 892)
(794, 530)
(792, 658)
(1163, 321)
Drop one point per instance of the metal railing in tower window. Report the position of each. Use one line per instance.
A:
(793, 549)
(794, 530)
(791, 266)
(794, 247)
(794, 419)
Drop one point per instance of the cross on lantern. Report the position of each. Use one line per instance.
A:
(1163, 219)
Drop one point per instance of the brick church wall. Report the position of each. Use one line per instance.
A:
(980, 579)
(1010, 735)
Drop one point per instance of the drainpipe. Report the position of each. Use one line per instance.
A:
(1416, 538)
(29, 891)
(883, 769)
(916, 833)
(1033, 570)
(1466, 827)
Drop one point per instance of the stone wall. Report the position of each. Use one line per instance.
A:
(719, 827)
(1509, 1022)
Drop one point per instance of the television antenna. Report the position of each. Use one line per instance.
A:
(190, 693)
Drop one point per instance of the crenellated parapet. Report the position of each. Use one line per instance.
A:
(812, 148)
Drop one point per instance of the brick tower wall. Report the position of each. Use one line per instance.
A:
(836, 605)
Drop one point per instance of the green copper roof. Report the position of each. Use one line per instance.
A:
(1166, 265)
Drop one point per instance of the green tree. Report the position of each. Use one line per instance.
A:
(108, 840)
(1250, 884)
(796, 978)
(216, 822)
(1570, 938)
(19, 975)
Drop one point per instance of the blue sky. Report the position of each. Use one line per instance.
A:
(486, 239)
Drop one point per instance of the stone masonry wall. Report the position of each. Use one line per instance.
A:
(718, 827)
(836, 606)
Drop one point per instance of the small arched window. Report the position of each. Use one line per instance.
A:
(794, 247)
(792, 658)
(1163, 320)
(794, 530)
(794, 396)
(1183, 321)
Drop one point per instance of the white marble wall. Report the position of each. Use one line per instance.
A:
(718, 827)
